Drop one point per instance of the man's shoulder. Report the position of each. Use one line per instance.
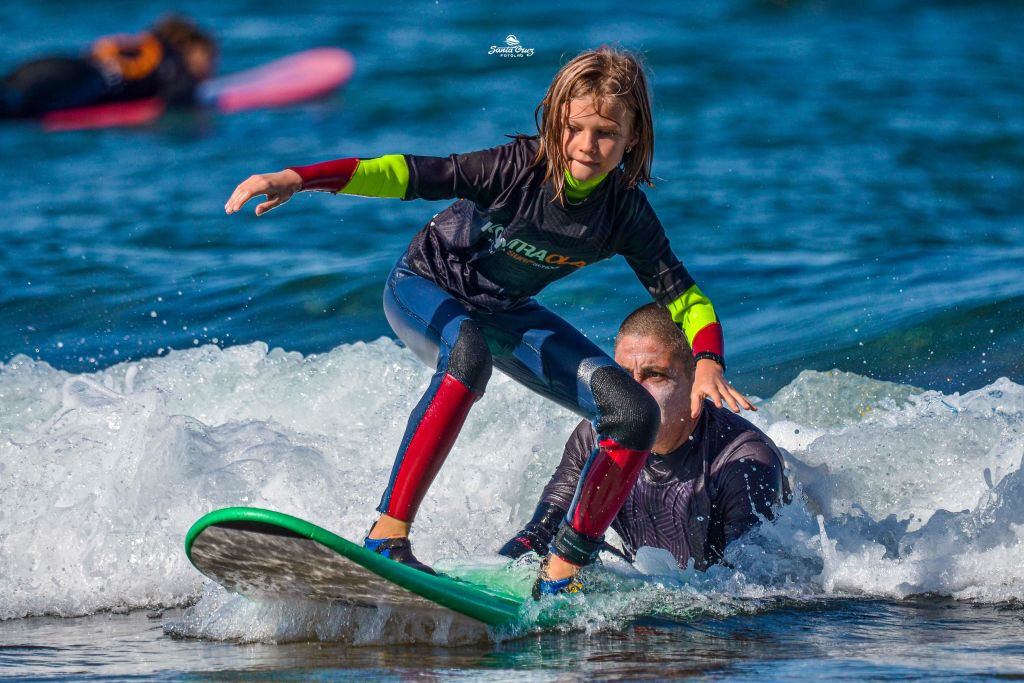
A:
(737, 438)
(581, 442)
(725, 419)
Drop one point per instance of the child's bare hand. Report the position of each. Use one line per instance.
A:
(709, 382)
(279, 188)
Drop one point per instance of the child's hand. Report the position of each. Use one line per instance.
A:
(279, 188)
(709, 382)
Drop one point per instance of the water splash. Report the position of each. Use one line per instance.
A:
(102, 474)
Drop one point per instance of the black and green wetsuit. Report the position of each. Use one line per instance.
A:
(505, 240)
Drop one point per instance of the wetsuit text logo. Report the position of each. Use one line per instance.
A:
(535, 256)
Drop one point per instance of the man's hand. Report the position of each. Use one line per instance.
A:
(279, 188)
(524, 542)
(537, 533)
(709, 382)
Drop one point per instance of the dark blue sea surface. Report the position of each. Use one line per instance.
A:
(844, 180)
(848, 640)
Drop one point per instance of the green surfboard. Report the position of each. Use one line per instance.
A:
(259, 553)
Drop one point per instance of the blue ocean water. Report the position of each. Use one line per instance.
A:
(843, 179)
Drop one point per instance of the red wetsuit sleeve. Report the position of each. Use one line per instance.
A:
(709, 340)
(328, 176)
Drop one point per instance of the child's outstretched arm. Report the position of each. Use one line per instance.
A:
(386, 176)
(480, 176)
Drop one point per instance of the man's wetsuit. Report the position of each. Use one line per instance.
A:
(119, 69)
(692, 502)
(461, 297)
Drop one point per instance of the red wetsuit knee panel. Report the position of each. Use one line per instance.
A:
(434, 437)
(607, 479)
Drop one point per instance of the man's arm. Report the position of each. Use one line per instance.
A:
(556, 497)
(749, 486)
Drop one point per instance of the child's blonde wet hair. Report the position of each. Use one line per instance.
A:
(608, 75)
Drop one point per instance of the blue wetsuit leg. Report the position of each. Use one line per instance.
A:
(440, 330)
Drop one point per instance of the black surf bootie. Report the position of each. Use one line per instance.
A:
(397, 549)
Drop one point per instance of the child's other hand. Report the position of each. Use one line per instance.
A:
(279, 188)
(709, 382)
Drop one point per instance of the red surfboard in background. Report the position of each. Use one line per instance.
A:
(296, 78)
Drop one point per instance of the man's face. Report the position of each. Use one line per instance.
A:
(666, 379)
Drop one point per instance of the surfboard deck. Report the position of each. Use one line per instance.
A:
(295, 78)
(112, 115)
(261, 553)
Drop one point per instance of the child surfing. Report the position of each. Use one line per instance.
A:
(461, 297)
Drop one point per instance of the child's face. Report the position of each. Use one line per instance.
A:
(596, 136)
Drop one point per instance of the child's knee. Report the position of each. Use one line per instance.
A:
(470, 360)
(626, 411)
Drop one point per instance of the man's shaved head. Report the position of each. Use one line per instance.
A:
(654, 321)
(654, 351)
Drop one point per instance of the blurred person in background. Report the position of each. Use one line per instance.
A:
(167, 61)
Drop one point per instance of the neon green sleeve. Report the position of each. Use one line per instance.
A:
(694, 313)
(386, 176)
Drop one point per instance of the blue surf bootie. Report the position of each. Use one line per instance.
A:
(397, 549)
(544, 586)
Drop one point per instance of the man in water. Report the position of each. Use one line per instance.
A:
(168, 61)
(707, 481)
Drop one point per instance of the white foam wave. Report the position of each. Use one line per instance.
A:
(102, 474)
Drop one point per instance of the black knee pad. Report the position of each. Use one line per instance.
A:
(470, 359)
(626, 412)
